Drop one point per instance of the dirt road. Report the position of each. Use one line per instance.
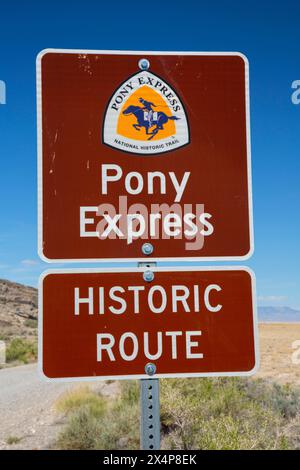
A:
(27, 407)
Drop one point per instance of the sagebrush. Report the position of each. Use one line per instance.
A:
(227, 413)
(21, 350)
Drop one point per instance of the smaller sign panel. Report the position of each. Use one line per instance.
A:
(111, 323)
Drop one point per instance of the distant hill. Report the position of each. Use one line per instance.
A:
(18, 310)
(282, 314)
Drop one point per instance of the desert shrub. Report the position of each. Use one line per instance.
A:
(21, 350)
(98, 423)
(80, 431)
(292, 432)
(281, 398)
(222, 413)
(10, 440)
(120, 425)
(31, 323)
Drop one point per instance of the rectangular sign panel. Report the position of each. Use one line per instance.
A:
(112, 323)
(143, 148)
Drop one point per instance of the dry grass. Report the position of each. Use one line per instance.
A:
(10, 440)
(78, 397)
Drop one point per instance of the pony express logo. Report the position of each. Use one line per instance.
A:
(145, 116)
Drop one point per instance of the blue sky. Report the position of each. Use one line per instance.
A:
(267, 32)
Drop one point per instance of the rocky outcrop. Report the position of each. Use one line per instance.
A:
(18, 310)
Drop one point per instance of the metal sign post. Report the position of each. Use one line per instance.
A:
(150, 413)
(149, 389)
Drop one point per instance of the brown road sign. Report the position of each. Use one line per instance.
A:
(111, 323)
(143, 147)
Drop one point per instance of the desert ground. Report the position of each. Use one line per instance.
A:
(27, 405)
(278, 347)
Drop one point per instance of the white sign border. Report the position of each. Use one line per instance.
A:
(141, 270)
(40, 158)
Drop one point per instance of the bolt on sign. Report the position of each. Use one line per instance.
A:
(143, 148)
(111, 323)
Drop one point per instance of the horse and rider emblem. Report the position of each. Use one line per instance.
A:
(145, 116)
(148, 118)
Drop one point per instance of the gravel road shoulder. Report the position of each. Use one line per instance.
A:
(28, 417)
